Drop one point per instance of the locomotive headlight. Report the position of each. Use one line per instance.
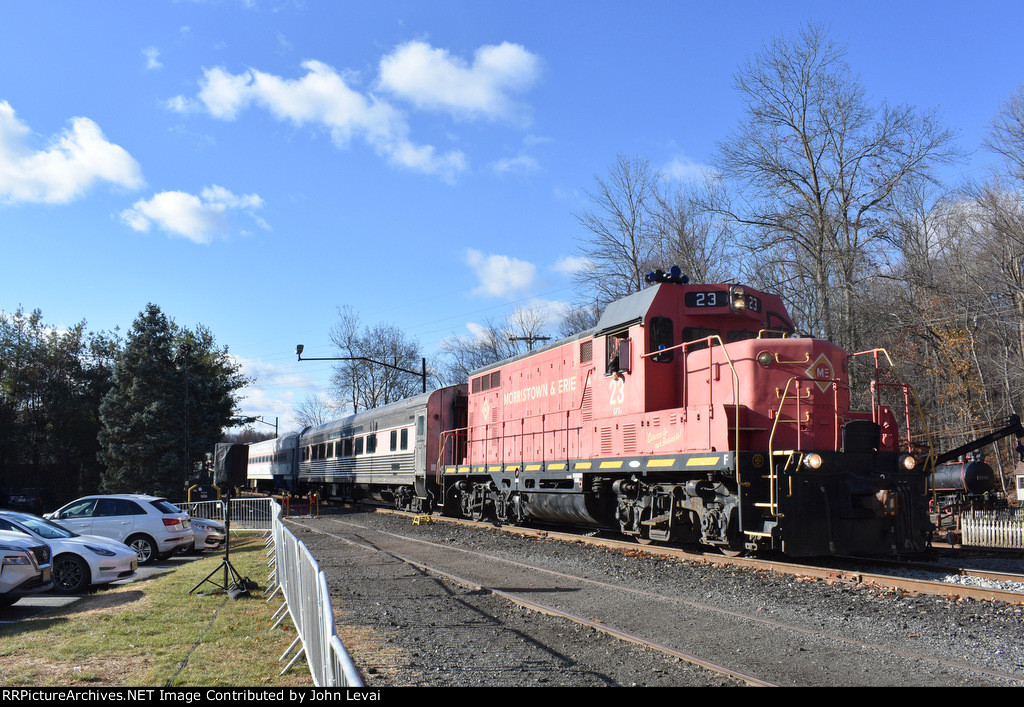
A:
(907, 462)
(812, 461)
(765, 359)
(737, 299)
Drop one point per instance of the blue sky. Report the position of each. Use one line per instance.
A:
(254, 165)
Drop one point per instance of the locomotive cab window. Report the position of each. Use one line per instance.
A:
(617, 353)
(661, 338)
(739, 335)
(696, 333)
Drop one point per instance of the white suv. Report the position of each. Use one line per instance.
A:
(152, 526)
(25, 567)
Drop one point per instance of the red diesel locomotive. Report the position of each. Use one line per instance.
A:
(690, 413)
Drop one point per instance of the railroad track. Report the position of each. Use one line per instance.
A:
(410, 545)
(847, 570)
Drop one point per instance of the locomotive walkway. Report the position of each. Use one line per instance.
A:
(749, 628)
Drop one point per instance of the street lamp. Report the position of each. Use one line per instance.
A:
(422, 373)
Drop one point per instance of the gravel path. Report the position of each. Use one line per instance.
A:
(405, 626)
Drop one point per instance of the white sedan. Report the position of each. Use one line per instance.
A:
(79, 561)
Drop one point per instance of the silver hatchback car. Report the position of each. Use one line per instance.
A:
(152, 526)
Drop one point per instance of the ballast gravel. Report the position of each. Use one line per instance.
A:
(405, 626)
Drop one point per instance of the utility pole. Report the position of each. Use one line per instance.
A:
(529, 339)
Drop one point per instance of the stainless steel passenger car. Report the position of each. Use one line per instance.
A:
(272, 463)
(391, 453)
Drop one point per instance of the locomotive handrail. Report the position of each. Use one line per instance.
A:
(807, 359)
(502, 436)
(906, 387)
(835, 383)
(735, 397)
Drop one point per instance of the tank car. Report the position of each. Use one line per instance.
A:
(387, 454)
(690, 413)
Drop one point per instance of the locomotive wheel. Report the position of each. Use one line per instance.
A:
(644, 536)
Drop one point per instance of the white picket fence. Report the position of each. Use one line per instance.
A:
(1000, 528)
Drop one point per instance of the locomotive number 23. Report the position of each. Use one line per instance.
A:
(617, 391)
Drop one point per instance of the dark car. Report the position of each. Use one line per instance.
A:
(30, 500)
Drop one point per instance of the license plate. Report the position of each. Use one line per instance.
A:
(46, 576)
(135, 565)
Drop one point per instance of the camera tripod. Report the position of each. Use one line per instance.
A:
(239, 585)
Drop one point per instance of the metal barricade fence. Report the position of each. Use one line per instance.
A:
(308, 600)
(304, 586)
(999, 528)
(246, 513)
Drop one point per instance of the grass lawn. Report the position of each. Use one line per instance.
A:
(154, 633)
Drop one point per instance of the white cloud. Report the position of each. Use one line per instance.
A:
(72, 163)
(520, 164)
(433, 79)
(500, 275)
(572, 264)
(152, 55)
(321, 98)
(275, 391)
(198, 218)
(683, 169)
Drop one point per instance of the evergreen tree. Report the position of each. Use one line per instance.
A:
(173, 392)
(50, 387)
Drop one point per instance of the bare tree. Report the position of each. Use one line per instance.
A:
(578, 318)
(388, 374)
(1006, 136)
(621, 244)
(815, 164)
(314, 410)
(690, 234)
(522, 330)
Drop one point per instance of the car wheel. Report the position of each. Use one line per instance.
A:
(144, 547)
(71, 574)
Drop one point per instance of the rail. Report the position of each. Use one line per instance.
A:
(877, 386)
